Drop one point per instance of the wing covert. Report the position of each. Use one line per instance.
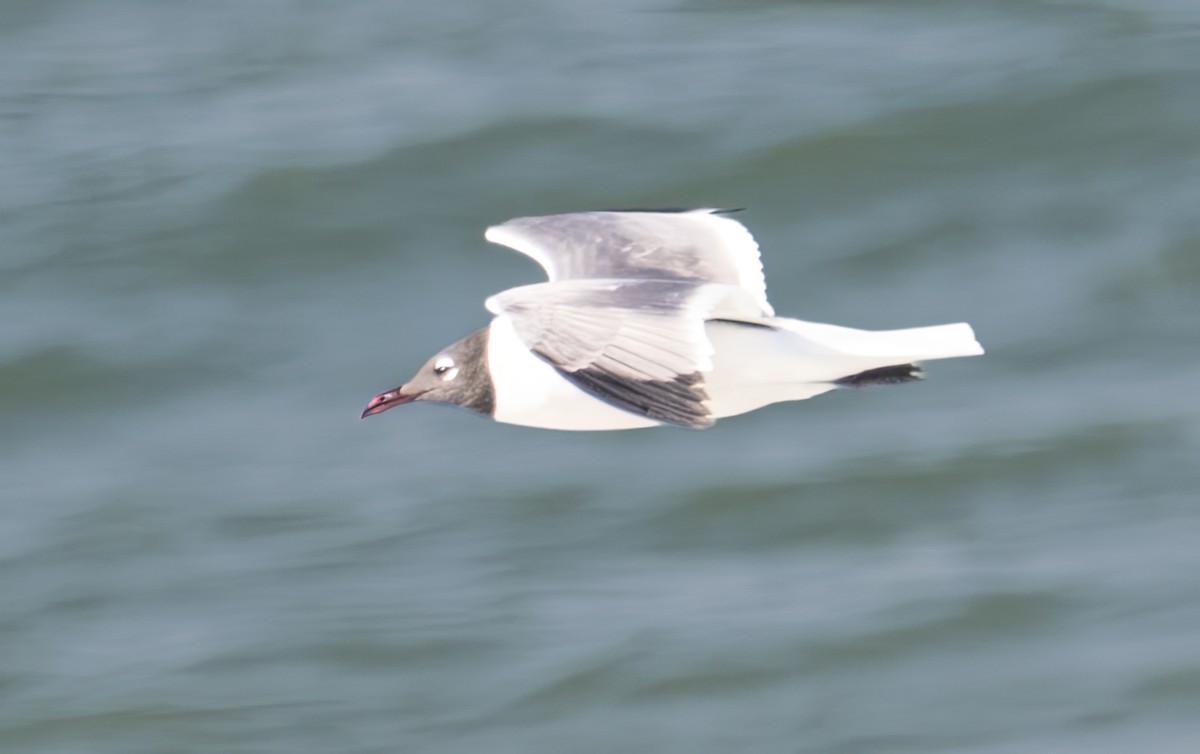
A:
(639, 345)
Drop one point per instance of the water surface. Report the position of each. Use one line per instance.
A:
(224, 226)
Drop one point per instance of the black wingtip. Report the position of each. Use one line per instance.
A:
(676, 210)
(681, 401)
(665, 210)
(892, 375)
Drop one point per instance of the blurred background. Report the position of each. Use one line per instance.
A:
(225, 225)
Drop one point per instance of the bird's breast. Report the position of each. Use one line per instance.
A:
(531, 392)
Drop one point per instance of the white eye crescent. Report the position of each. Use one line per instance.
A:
(445, 368)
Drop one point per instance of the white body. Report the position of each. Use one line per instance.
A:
(752, 367)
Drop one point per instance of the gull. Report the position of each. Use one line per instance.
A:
(650, 318)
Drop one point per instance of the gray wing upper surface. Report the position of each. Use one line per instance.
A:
(697, 246)
(637, 344)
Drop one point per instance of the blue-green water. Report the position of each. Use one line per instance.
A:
(225, 225)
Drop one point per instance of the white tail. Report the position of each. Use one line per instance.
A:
(890, 346)
(792, 360)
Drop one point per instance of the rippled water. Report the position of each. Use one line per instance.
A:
(224, 226)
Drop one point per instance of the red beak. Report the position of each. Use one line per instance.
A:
(384, 401)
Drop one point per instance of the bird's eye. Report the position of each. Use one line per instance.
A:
(444, 368)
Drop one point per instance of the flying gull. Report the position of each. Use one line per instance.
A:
(652, 318)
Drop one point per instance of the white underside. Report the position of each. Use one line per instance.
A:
(752, 367)
(530, 392)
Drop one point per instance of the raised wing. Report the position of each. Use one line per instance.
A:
(696, 245)
(637, 344)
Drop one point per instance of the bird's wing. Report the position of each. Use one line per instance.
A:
(637, 344)
(696, 245)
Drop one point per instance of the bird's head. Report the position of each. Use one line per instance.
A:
(457, 375)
